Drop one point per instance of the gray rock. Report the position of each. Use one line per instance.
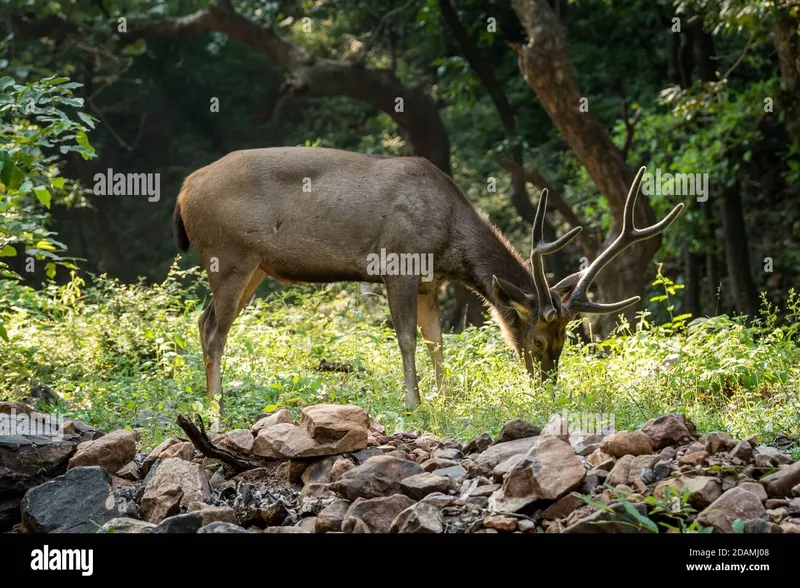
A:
(182, 523)
(80, 501)
(126, 525)
(220, 527)
(378, 476)
(517, 429)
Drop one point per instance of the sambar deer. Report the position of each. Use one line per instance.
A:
(315, 215)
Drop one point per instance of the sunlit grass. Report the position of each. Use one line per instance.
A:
(129, 356)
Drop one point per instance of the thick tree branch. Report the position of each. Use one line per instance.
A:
(308, 76)
(584, 241)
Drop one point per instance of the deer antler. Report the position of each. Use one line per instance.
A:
(539, 249)
(578, 301)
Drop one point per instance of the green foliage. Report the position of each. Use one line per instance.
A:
(36, 132)
(129, 356)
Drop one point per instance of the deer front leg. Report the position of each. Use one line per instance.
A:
(402, 294)
(428, 318)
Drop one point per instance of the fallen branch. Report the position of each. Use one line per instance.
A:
(201, 441)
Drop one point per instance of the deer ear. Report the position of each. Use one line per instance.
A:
(510, 296)
(564, 288)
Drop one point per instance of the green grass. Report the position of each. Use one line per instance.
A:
(129, 357)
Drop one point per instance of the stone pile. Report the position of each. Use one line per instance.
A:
(336, 471)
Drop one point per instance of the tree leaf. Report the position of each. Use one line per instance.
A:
(43, 194)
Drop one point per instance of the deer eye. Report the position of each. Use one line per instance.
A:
(539, 343)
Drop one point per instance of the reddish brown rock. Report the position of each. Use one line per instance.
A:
(624, 443)
(376, 514)
(736, 503)
(550, 470)
(111, 451)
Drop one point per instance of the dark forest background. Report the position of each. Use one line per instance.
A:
(708, 87)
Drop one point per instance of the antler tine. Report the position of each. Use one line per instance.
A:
(578, 300)
(538, 250)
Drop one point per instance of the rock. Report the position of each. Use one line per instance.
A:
(376, 514)
(479, 444)
(315, 497)
(438, 463)
(378, 476)
(240, 440)
(130, 471)
(221, 527)
(455, 472)
(762, 461)
(420, 485)
(780, 483)
(182, 523)
(111, 451)
(624, 443)
(662, 470)
(420, 518)
(162, 502)
(694, 459)
(703, 490)
(796, 491)
(585, 444)
(742, 450)
(621, 471)
(719, 441)
(343, 426)
(447, 453)
(156, 453)
(502, 523)
(502, 451)
(26, 462)
(282, 416)
(757, 526)
(789, 527)
(640, 466)
(289, 530)
(324, 429)
(502, 469)
(775, 503)
(563, 507)
(319, 472)
(755, 488)
(617, 521)
(308, 523)
(736, 503)
(126, 525)
(557, 426)
(590, 482)
(213, 514)
(550, 470)
(80, 501)
(189, 477)
(330, 518)
(485, 490)
(777, 456)
(340, 466)
(597, 457)
(512, 430)
(667, 430)
(183, 450)
(364, 454)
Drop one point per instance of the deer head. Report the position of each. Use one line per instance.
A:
(539, 322)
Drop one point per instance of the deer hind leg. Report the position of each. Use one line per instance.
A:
(429, 321)
(229, 288)
(402, 294)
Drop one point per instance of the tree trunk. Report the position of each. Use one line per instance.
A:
(545, 65)
(786, 35)
(691, 292)
(737, 256)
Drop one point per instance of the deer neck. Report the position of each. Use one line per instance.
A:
(487, 253)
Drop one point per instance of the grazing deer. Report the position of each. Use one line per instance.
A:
(314, 215)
